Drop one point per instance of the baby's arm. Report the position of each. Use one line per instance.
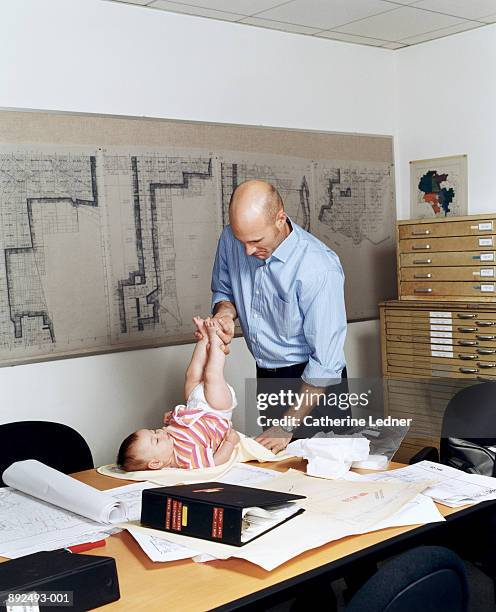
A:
(226, 448)
(194, 373)
(217, 392)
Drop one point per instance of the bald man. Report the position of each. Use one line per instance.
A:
(287, 288)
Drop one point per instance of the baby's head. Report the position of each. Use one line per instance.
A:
(146, 449)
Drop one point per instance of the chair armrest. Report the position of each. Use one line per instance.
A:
(429, 453)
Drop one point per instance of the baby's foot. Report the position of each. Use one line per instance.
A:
(212, 326)
(201, 332)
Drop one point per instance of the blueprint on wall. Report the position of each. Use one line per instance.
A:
(102, 249)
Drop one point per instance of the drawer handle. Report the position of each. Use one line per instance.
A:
(486, 364)
(466, 357)
(466, 315)
(423, 290)
(421, 247)
(485, 337)
(468, 342)
(468, 330)
(421, 232)
(422, 261)
(485, 323)
(486, 351)
(485, 379)
(468, 370)
(422, 276)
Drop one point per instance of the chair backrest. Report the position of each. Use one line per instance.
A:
(427, 578)
(54, 444)
(469, 425)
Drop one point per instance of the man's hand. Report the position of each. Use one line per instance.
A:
(226, 331)
(275, 439)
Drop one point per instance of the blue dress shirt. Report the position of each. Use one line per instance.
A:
(290, 306)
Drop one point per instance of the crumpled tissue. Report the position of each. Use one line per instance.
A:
(330, 457)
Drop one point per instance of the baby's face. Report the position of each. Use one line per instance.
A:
(155, 447)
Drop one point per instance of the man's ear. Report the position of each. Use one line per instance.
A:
(281, 218)
(155, 464)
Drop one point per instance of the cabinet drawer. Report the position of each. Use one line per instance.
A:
(486, 362)
(482, 318)
(433, 245)
(477, 227)
(463, 258)
(459, 273)
(483, 347)
(419, 370)
(455, 290)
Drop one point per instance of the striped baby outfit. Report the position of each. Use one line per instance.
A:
(198, 430)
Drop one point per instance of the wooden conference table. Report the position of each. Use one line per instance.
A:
(229, 584)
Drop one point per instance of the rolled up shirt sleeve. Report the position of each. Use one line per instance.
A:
(221, 280)
(324, 326)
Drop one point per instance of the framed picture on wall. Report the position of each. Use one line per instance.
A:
(438, 187)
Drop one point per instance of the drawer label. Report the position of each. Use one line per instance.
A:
(440, 321)
(439, 334)
(487, 272)
(485, 242)
(448, 354)
(441, 327)
(487, 288)
(440, 341)
(434, 313)
(487, 256)
(486, 226)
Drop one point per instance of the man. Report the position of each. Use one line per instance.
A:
(287, 288)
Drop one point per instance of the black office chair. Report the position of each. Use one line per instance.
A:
(54, 444)
(427, 578)
(469, 428)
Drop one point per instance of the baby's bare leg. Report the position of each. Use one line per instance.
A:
(195, 371)
(217, 392)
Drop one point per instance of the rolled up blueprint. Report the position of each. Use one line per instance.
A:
(43, 482)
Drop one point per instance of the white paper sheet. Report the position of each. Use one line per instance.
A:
(451, 487)
(334, 509)
(247, 475)
(29, 525)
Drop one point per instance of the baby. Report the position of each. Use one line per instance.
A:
(200, 433)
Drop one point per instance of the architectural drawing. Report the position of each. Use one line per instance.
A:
(355, 216)
(290, 176)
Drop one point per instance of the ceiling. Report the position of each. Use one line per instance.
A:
(391, 24)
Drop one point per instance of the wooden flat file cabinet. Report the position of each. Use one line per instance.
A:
(431, 350)
(447, 259)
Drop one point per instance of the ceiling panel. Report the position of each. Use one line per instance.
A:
(441, 33)
(468, 9)
(241, 7)
(399, 23)
(277, 25)
(326, 15)
(138, 2)
(176, 7)
(361, 40)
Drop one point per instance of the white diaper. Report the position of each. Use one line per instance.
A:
(197, 401)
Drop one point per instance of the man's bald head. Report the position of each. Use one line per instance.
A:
(254, 199)
(257, 218)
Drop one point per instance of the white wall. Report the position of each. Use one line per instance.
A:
(446, 106)
(103, 57)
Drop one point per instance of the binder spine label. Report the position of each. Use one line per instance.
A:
(217, 522)
(168, 511)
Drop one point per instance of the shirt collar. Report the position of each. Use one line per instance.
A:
(288, 245)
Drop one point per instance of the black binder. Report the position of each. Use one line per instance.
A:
(88, 581)
(210, 510)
